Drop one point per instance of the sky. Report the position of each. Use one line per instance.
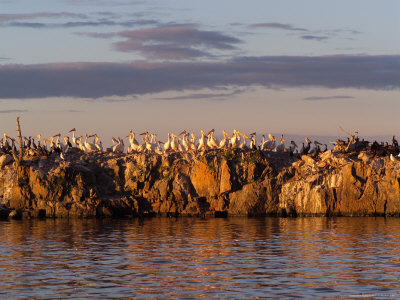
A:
(292, 67)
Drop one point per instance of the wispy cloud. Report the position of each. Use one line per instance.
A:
(98, 23)
(203, 96)
(314, 37)
(95, 80)
(12, 111)
(318, 98)
(176, 42)
(27, 16)
(277, 26)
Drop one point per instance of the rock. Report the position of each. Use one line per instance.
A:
(216, 182)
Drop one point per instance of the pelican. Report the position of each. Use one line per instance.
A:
(224, 142)
(174, 144)
(270, 145)
(73, 136)
(180, 149)
(67, 143)
(262, 145)
(149, 144)
(212, 142)
(158, 149)
(98, 143)
(234, 139)
(202, 142)
(89, 146)
(38, 138)
(243, 144)
(253, 142)
(271, 137)
(281, 147)
(193, 139)
(142, 147)
(167, 145)
(79, 143)
(119, 148)
(132, 141)
(185, 141)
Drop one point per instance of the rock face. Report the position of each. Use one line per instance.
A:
(214, 183)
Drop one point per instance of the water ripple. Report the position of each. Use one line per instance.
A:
(194, 258)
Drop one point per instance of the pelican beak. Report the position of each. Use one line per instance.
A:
(253, 133)
(143, 133)
(73, 129)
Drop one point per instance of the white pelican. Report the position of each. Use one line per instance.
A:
(281, 147)
(185, 141)
(235, 139)
(212, 142)
(98, 143)
(158, 149)
(142, 147)
(38, 137)
(174, 143)
(253, 141)
(89, 146)
(167, 145)
(119, 147)
(224, 142)
(149, 144)
(132, 141)
(202, 142)
(243, 145)
(73, 136)
(79, 143)
(193, 142)
(270, 145)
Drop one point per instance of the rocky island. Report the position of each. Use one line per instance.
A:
(215, 182)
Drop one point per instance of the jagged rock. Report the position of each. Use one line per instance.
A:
(216, 182)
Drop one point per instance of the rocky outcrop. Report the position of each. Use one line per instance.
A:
(214, 183)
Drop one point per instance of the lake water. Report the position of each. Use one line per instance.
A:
(201, 258)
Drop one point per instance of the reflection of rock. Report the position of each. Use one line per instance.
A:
(217, 182)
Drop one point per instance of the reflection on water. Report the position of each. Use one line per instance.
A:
(211, 258)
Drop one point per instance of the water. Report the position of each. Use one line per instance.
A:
(201, 258)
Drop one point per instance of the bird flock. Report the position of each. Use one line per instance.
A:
(183, 142)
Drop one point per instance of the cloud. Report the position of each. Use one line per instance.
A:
(95, 80)
(103, 22)
(316, 98)
(104, 2)
(12, 111)
(203, 96)
(277, 26)
(314, 37)
(174, 42)
(14, 17)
